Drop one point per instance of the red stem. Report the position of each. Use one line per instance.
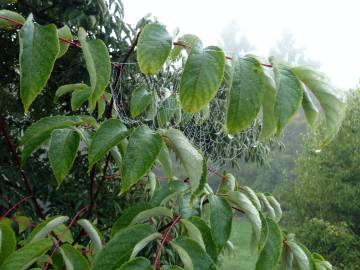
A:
(58, 242)
(164, 240)
(15, 206)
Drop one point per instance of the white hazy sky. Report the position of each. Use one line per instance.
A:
(330, 30)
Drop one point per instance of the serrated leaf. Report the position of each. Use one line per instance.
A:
(140, 100)
(205, 231)
(79, 96)
(64, 33)
(166, 192)
(243, 202)
(192, 255)
(118, 250)
(252, 196)
(289, 95)
(62, 152)
(221, 216)
(165, 160)
(45, 228)
(189, 157)
(153, 48)
(39, 132)
(188, 40)
(302, 256)
(143, 148)
(267, 207)
(193, 232)
(246, 93)
(269, 120)
(330, 99)
(139, 263)
(98, 65)
(311, 112)
(92, 232)
(109, 134)
(27, 255)
(7, 241)
(276, 206)
(8, 25)
(270, 254)
(73, 259)
(68, 88)
(39, 47)
(201, 78)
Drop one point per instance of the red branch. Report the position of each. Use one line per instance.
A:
(15, 206)
(164, 240)
(75, 44)
(58, 242)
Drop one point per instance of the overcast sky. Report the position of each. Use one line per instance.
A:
(330, 30)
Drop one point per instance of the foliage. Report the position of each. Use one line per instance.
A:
(327, 187)
(179, 215)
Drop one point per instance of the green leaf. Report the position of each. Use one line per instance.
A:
(270, 254)
(189, 40)
(202, 183)
(246, 93)
(45, 228)
(167, 192)
(193, 232)
(167, 110)
(227, 183)
(101, 105)
(192, 255)
(140, 100)
(289, 95)
(302, 256)
(152, 212)
(201, 78)
(79, 96)
(171, 267)
(143, 148)
(7, 241)
(252, 196)
(73, 259)
(98, 65)
(144, 242)
(26, 256)
(39, 47)
(311, 112)
(221, 216)
(267, 207)
(128, 215)
(119, 249)
(40, 131)
(269, 120)
(276, 206)
(153, 48)
(139, 263)
(244, 203)
(92, 232)
(189, 157)
(165, 160)
(64, 33)
(68, 88)
(205, 231)
(63, 147)
(8, 25)
(329, 97)
(110, 133)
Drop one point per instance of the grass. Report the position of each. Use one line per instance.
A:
(241, 259)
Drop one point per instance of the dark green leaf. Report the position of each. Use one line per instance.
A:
(143, 148)
(201, 78)
(79, 96)
(73, 259)
(246, 93)
(139, 263)
(110, 133)
(39, 47)
(64, 33)
(5, 24)
(221, 216)
(68, 88)
(167, 191)
(269, 120)
(165, 160)
(311, 112)
(140, 100)
(227, 183)
(7, 241)
(45, 228)
(98, 65)
(153, 48)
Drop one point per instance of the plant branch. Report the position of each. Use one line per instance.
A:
(16, 158)
(164, 240)
(15, 206)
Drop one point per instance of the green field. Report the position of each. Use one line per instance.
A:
(242, 259)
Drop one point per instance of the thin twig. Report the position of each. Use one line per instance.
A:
(15, 206)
